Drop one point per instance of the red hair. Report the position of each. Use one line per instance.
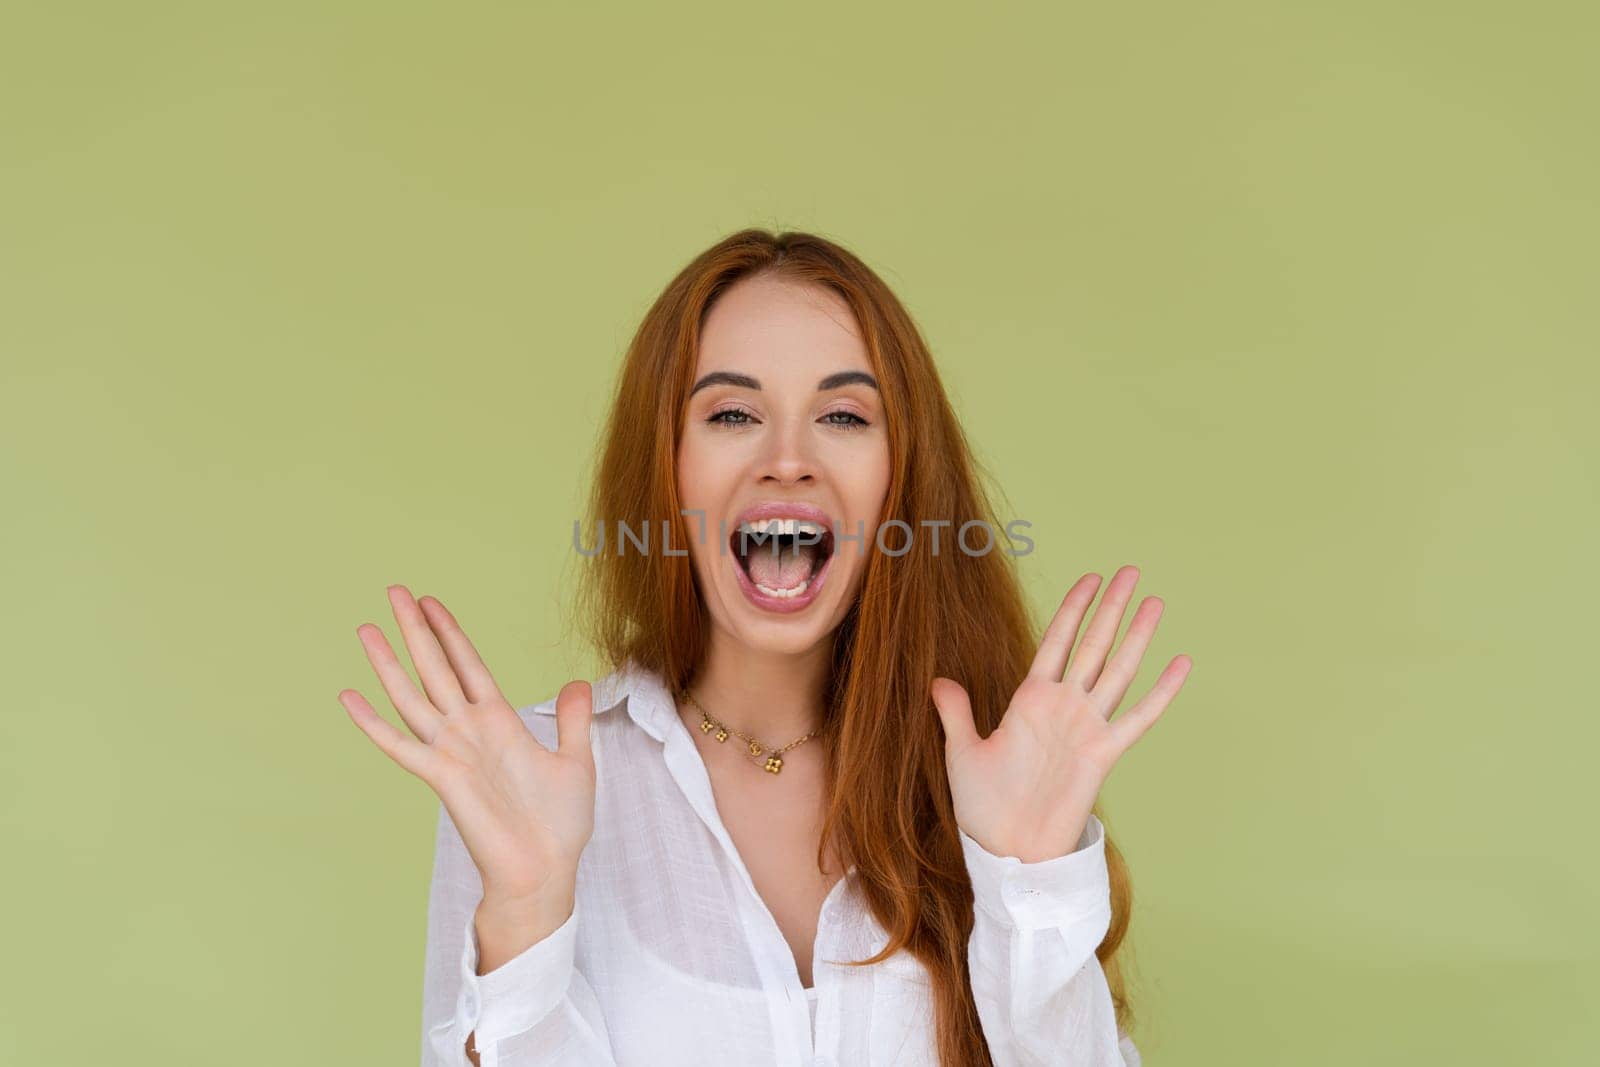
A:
(918, 615)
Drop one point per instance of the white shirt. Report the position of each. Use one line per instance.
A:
(670, 957)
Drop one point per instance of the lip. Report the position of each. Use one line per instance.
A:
(778, 509)
(782, 510)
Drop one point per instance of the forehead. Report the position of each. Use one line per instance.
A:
(773, 325)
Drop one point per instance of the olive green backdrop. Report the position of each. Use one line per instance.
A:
(1290, 305)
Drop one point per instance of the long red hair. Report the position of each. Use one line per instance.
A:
(919, 615)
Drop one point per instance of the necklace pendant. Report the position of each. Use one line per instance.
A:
(721, 735)
(774, 764)
(755, 748)
(705, 725)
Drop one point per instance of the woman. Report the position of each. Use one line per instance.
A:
(833, 805)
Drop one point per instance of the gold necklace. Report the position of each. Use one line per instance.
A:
(774, 756)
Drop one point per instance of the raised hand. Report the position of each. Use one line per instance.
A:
(1026, 790)
(524, 812)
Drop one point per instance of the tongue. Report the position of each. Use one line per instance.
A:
(783, 566)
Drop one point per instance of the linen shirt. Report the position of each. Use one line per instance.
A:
(670, 957)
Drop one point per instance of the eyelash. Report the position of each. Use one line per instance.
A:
(856, 423)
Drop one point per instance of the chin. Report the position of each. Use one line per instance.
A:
(780, 640)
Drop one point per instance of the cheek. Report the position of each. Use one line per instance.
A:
(869, 483)
(705, 484)
(693, 474)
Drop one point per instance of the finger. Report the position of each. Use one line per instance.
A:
(1056, 645)
(574, 713)
(1102, 631)
(1132, 724)
(950, 700)
(476, 682)
(1119, 673)
(395, 743)
(432, 667)
(421, 716)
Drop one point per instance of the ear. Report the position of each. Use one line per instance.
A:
(955, 714)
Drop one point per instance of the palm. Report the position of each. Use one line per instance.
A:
(523, 811)
(1028, 788)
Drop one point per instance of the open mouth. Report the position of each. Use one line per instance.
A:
(782, 561)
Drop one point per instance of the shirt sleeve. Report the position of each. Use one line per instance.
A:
(534, 1010)
(1041, 994)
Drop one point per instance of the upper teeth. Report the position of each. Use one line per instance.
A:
(769, 527)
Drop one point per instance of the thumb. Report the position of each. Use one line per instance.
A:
(574, 713)
(955, 713)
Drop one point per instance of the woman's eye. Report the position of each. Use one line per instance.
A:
(740, 417)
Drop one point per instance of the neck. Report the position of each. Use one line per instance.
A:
(775, 696)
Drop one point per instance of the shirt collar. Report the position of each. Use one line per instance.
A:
(649, 703)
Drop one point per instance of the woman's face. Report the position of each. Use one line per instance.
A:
(784, 424)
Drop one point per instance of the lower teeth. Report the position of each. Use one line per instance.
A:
(784, 594)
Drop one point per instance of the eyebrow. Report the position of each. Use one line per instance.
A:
(744, 381)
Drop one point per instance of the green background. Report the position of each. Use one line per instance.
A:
(1289, 305)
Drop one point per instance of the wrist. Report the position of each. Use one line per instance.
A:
(508, 926)
(1059, 834)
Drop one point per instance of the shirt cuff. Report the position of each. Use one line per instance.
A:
(517, 994)
(1054, 892)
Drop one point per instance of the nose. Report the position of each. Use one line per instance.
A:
(788, 459)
